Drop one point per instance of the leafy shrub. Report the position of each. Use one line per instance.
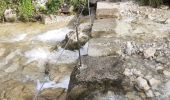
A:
(25, 10)
(3, 6)
(53, 6)
(79, 4)
(153, 3)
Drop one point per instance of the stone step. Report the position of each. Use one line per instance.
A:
(103, 28)
(107, 10)
(95, 76)
(103, 47)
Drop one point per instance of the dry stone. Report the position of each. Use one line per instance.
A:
(142, 84)
(107, 10)
(103, 47)
(103, 28)
(10, 15)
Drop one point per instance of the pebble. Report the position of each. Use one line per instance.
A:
(149, 93)
(154, 82)
(127, 72)
(150, 52)
(166, 73)
(142, 84)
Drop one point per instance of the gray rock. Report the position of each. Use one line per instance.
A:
(103, 47)
(72, 38)
(150, 52)
(10, 15)
(142, 84)
(166, 73)
(127, 72)
(97, 75)
(149, 93)
(107, 10)
(154, 82)
(129, 48)
(103, 30)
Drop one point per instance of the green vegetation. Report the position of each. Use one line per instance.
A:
(3, 6)
(53, 6)
(80, 3)
(153, 3)
(26, 10)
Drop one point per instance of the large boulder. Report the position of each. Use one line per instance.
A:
(71, 39)
(97, 75)
(103, 47)
(10, 15)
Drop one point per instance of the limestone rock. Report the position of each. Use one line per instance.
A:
(154, 82)
(103, 30)
(166, 73)
(98, 74)
(149, 93)
(107, 10)
(103, 47)
(142, 84)
(72, 38)
(129, 48)
(127, 72)
(10, 15)
(150, 52)
(84, 27)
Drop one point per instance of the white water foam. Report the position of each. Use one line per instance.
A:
(37, 54)
(19, 38)
(54, 35)
(63, 83)
(84, 49)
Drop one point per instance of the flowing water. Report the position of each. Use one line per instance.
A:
(25, 49)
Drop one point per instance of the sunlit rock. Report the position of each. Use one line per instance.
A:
(10, 15)
(142, 84)
(103, 28)
(107, 10)
(103, 47)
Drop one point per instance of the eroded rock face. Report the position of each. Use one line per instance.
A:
(95, 76)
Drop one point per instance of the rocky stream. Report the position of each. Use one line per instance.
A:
(125, 56)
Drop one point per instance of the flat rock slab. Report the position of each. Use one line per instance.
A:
(96, 75)
(103, 47)
(103, 28)
(107, 10)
